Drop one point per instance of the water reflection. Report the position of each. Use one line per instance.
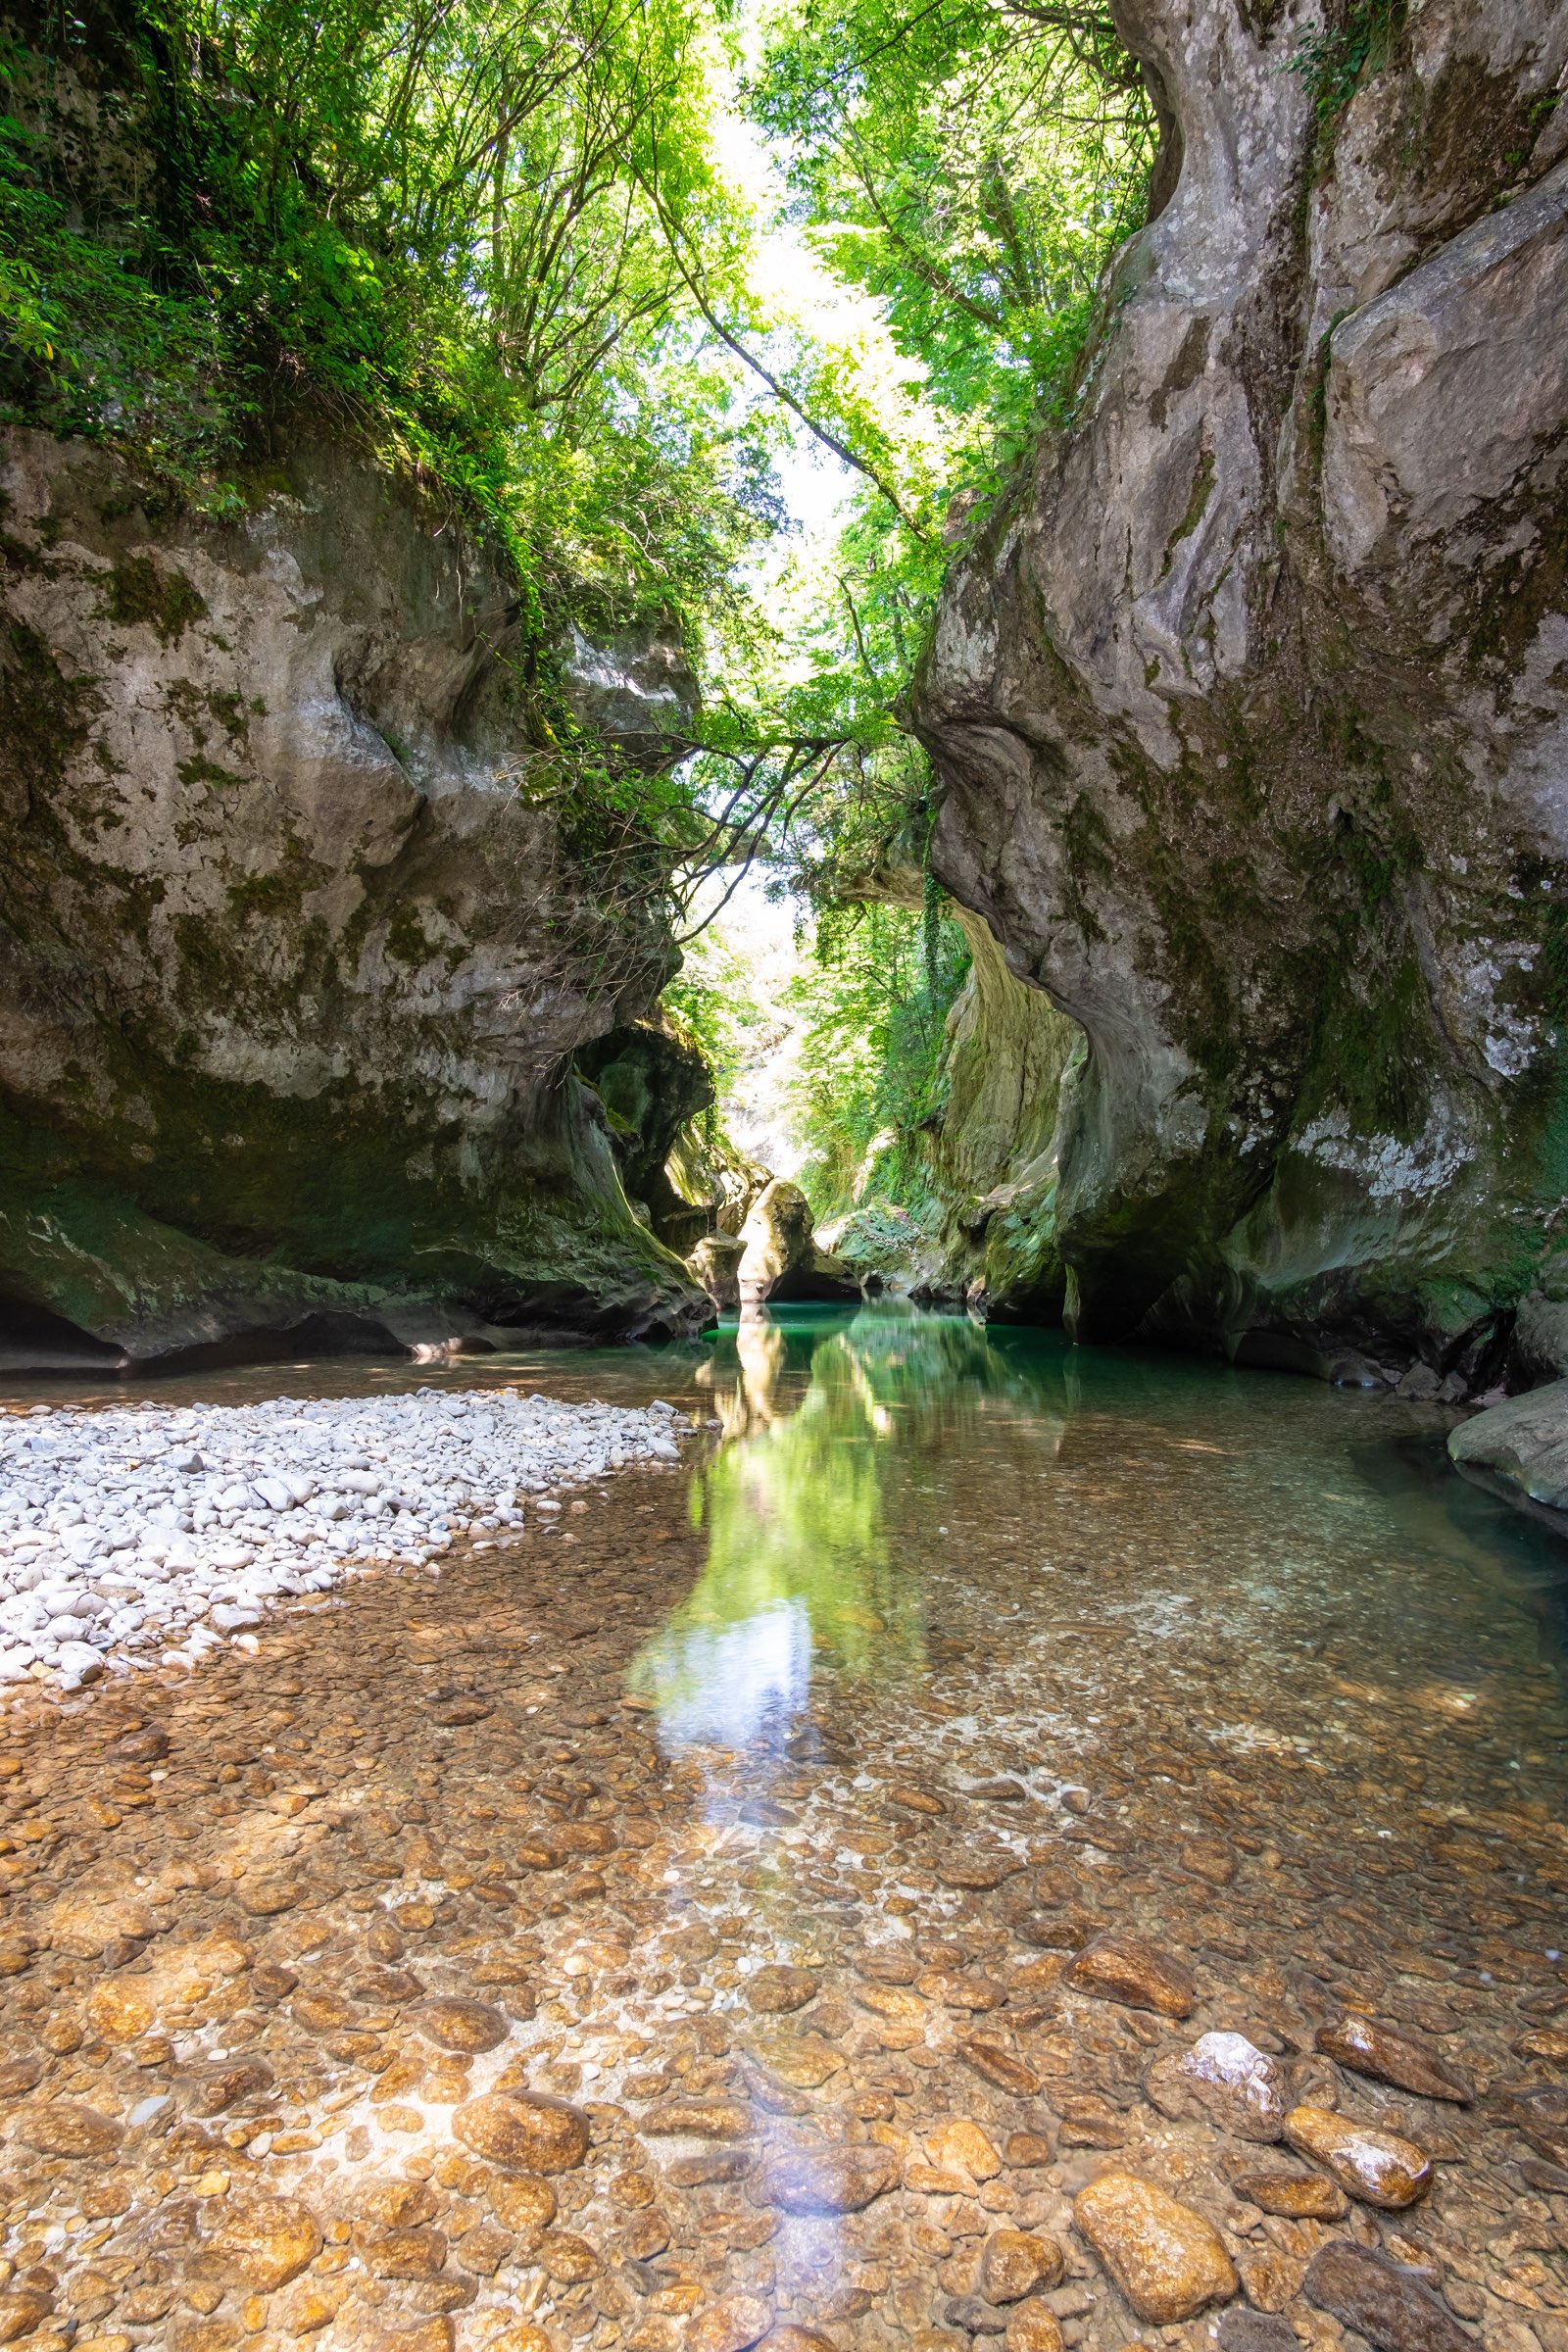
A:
(811, 1562)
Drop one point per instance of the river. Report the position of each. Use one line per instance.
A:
(853, 1830)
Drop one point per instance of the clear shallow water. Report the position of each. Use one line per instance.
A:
(1264, 1687)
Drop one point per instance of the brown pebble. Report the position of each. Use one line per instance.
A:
(69, 2128)
(962, 2146)
(1015, 2263)
(1390, 2305)
(263, 2242)
(566, 2259)
(1167, 2260)
(1125, 1968)
(471, 2027)
(1000, 2067)
(697, 2119)
(1294, 2197)
(1367, 2047)
(524, 2130)
(1224, 2079)
(828, 2180)
(1377, 2166)
(521, 2203)
(775, 1991)
(732, 2325)
(1031, 2327)
(965, 1867)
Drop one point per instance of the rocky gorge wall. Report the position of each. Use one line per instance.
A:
(291, 975)
(1249, 707)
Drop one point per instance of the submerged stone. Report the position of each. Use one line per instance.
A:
(1167, 2260)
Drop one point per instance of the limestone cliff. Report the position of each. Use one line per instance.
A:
(1249, 703)
(293, 964)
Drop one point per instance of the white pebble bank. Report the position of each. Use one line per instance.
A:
(147, 1533)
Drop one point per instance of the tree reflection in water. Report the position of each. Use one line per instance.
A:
(825, 1415)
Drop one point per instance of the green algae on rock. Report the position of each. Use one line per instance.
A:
(294, 973)
(1247, 705)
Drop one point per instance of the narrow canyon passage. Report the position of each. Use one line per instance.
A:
(764, 1904)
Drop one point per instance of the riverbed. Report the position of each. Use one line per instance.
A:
(781, 1896)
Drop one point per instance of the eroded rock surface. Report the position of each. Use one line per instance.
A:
(292, 971)
(1249, 708)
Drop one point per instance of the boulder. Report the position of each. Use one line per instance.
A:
(782, 1261)
(1519, 1449)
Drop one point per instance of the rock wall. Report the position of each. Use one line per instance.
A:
(291, 971)
(985, 1235)
(1250, 703)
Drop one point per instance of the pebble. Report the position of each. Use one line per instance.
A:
(1125, 1968)
(1015, 2263)
(823, 2180)
(1167, 2260)
(263, 2242)
(1386, 2304)
(1379, 2167)
(1244, 2330)
(1294, 2197)
(526, 2130)
(775, 1991)
(731, 2324)
(131, 1534)
(962, 2146)
(1367, 2047)
(1226, 2080)
(1031, 2327)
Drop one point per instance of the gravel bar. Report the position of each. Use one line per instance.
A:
(146, 1534)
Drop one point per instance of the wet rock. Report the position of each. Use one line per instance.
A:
(828, 2180)
(1244, 2330)
(776, 1990)
(1294, 2197)
(1227, 2080)
(1386, 2304)
(1000, 2066)
(962, 2146)
(1540, 2111)
(69, 2128)
(212, 2089)
(1167, 2260)
(405, 2254)
(471, 2027)
(965, 1867)
(521, 2203)
(974, 2317)
(262, 2242)
(697, 2119)
(1125, 1968)
(788, 2337)
(1368, 2048)
(1379, 2167)
(1031, 2327)
(566, 2259)
(524, 2130)
(23, 2309)
(123, 2010)
(731, 2324)
(1015, 2263)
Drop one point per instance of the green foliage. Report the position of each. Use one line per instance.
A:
(424, 221)
(1332, 57)
(874, 998)
(972, 163)
(709, 1003)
